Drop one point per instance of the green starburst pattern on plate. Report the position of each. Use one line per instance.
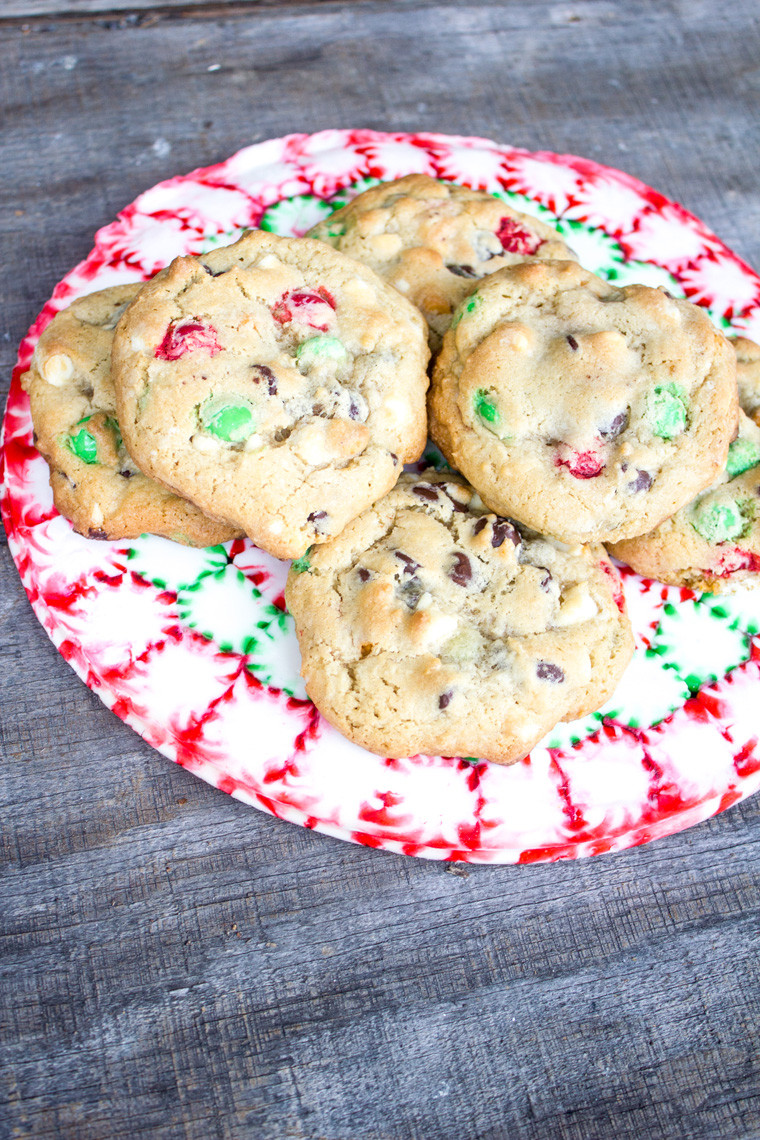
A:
(348, 193)
(214, 241)
(741, 610)
(171, 566)
(527, 206)
(642, 273)
(698, 643)
(595, 249)
(648, 693)
(226, 608)
(434, 457)
(292, 217)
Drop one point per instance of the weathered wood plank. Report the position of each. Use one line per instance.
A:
(173, 964)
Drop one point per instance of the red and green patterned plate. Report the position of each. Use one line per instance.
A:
(194, 649)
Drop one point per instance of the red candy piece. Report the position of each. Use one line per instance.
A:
(188, 337)
(736, 560)
(306, 306)
(580, 464)
(515, 239)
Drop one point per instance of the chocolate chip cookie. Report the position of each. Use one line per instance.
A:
(276, 383)
(432, 240)
(713, 543)
(583, 410)
(431, 625)
(95, 482)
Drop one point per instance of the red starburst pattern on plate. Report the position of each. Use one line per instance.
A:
(616, 786)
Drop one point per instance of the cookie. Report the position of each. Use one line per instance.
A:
(95, 483)
(431, 240)
(583, 410)
(276, 383)
(748, 375)
(430, 625)
(713, 543)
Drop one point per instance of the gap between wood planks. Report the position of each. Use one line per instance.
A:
(33, 15)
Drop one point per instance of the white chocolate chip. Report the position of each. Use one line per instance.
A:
(271, 261)
(275, 526)
(438, 628)
(96, 515)
(58, 369)
(206, 444)
(402, 285)
(310, 444)
(358, 290)
(576, 606)
(386, 244)
(398, 410)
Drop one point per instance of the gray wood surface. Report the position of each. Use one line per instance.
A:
(173, 964)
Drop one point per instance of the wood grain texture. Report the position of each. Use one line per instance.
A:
(173, 964)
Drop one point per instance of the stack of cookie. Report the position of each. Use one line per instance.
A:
(277, 386)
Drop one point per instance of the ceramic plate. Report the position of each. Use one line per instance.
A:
(195, 650)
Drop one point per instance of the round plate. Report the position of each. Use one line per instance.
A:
(194, 649)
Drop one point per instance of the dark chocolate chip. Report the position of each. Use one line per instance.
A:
(503, 528)
(572, 342)
(126, 473)
(454, 502)
(462, 270)
(545, 671)
(317, 409)
(668, 294)
(363, 574)
(282, 434)
(410, 566)
(426, 491)
(617, 427)
(444, 699)
(315, 516)
(546, 580)
(394, 457)
(261, 372)
(642, 482)
(461, 571)
(35, 437)
(482, 522)
(411, 591)
(353, 410)
(96, 532)
(211, 272)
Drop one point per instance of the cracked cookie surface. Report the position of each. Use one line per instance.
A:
(584, 410)
(95, 482)
(748, 375)
(713, 543)
(431, 625)
(274, 382)
(431, 240)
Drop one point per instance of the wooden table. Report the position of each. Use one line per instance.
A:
(175, 964)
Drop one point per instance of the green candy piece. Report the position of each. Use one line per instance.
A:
(83, 445)
(113, 424)
(485, 407)
(302, 564)
(320, 348)
(469, 305)
(666, 408)
(718, 522)
(228, 418)
(742, 454)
